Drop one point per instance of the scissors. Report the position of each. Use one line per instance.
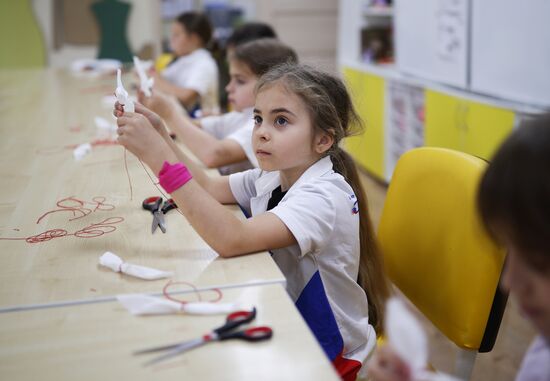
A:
(225, 332)
(155, 206)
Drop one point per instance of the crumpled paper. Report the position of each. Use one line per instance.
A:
(82, 150)
(139, 304)
(408, 339)
(116, 264)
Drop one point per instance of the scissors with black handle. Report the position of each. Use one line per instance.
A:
(225, 332)
(155, 205)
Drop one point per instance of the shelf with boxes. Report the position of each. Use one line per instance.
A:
(429, 95)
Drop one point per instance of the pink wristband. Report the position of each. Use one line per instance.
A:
(173, 176)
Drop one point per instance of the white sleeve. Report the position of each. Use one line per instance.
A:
(243, 187)
(243, 136)
(310, 214)
(202, 78)
(221, 126)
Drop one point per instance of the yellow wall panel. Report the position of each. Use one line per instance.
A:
(465, 125)
(488, 126)
(368, 92)
(442, 123)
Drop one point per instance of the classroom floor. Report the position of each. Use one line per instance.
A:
(515, 334)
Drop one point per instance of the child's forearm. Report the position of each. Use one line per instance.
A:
(199, 174)
(186, 96)
(216, 224)
(205, 146)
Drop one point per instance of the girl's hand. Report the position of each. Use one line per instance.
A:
(153, 118)
(136, 133)
(388, 366)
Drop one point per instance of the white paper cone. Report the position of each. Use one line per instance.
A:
(115, 263)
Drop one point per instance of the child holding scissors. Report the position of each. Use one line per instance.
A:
(225, 140)
(513, 200)
(307, 205)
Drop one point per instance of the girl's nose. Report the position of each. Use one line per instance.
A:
(261, 133)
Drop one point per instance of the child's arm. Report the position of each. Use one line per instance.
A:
(218, 187)
(188, 97)
(217, 225)
(211, 151)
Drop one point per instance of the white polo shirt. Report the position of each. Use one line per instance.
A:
(221, 126)
(197, 71)
(243, 136)
(321, 270)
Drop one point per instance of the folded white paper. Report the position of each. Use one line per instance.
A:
(407, 337)
(116, 264)
(139, 304)
(146, 83)
(81, 151)
(122, 95)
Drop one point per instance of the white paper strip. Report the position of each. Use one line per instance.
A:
(116, 264)
(146, 83)
(139, 304)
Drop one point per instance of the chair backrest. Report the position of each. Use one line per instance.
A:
(435, 249)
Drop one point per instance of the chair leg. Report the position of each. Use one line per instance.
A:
(465, 364)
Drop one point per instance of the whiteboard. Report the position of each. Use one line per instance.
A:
(511, 50)
(431, 39)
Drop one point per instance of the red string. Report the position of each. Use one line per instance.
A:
(91, 231)
(197, 292)
(74, 205)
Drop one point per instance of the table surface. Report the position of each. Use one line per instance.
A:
(96, 341)
(43, 115)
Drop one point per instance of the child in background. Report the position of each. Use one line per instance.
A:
(225, 141)
(193, 76)
(306, 200)
(245, 33)
(514, 203)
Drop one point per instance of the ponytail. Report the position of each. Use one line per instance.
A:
(332, 112)
(372, 277)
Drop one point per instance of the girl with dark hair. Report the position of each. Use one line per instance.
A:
(193, 75)
(514, 204)
(225, 140)
(306, 201)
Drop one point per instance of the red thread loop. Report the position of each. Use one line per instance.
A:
(194, 288)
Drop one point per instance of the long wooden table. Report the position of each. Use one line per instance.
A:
(58, 315)
(43, 115)
(95, 342)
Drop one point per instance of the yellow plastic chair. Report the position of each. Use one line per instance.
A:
(437, 252)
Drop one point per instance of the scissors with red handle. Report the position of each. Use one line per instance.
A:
(225, 332)
(155, 205)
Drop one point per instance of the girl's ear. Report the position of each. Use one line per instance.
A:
(323, 142)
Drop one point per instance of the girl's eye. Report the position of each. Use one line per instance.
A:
(280, 121)
(257, 120)
(240, 82)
